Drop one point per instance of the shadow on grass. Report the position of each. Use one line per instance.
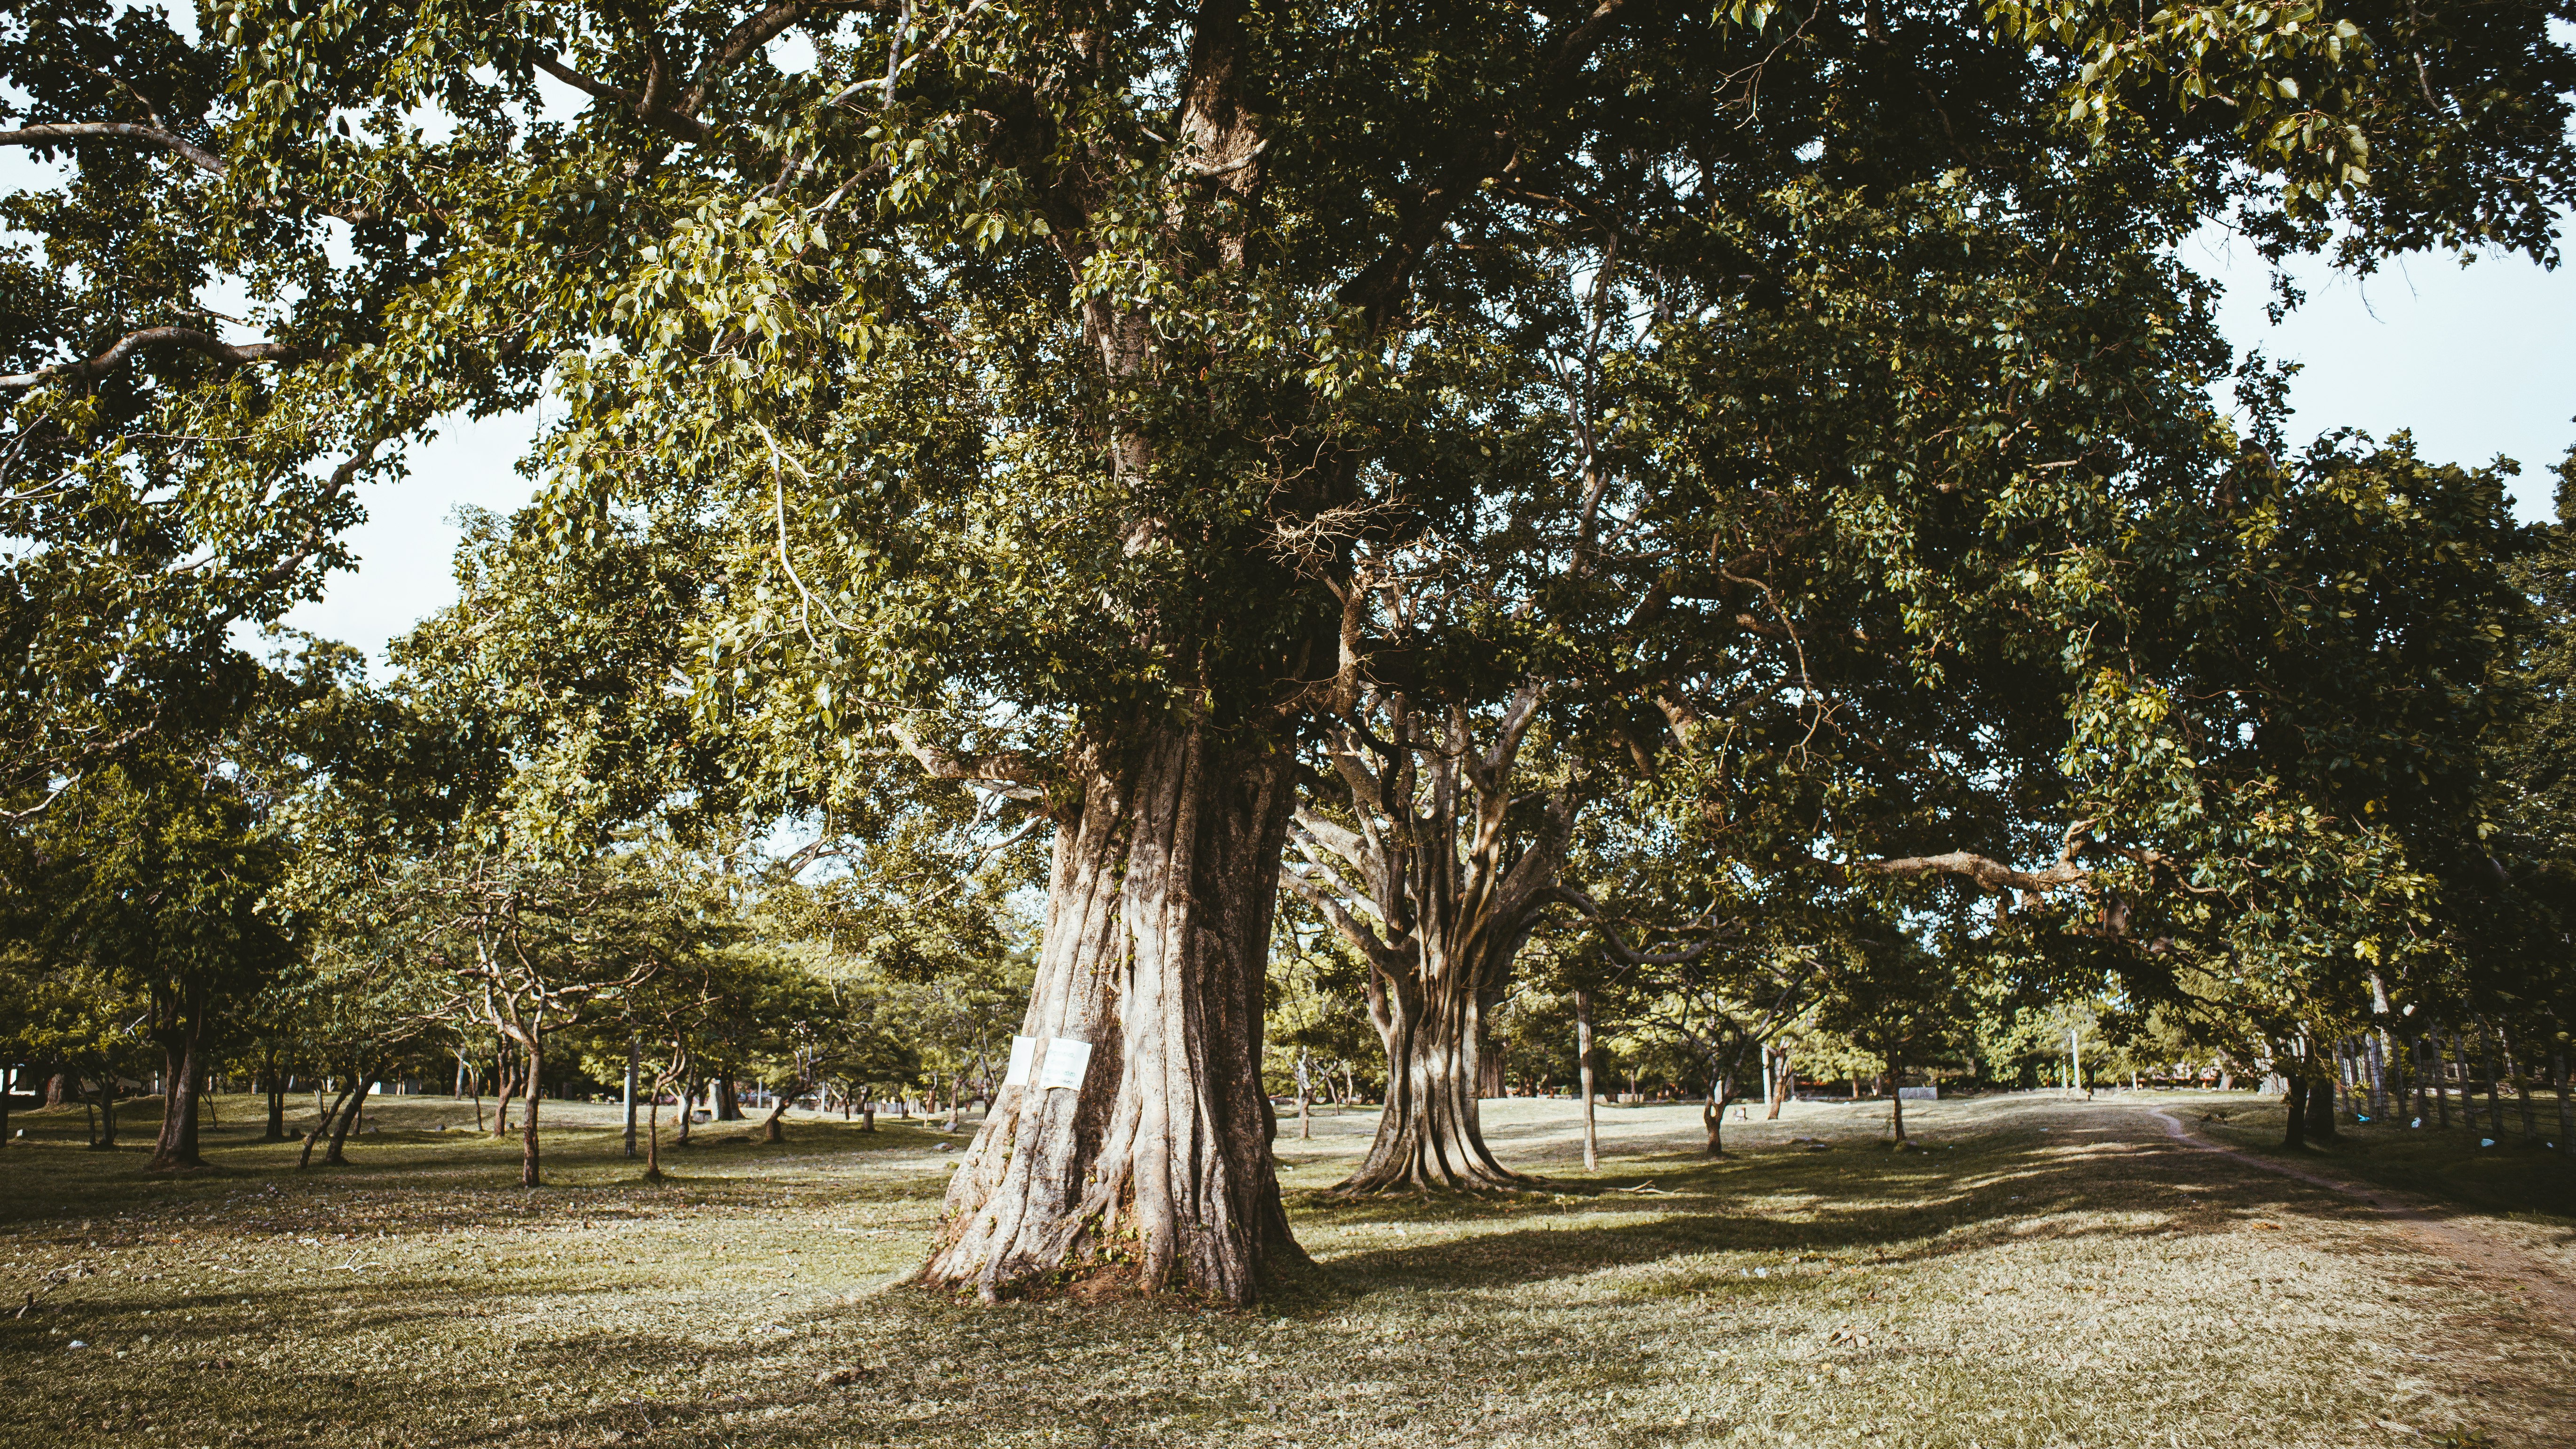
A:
(545, 1349)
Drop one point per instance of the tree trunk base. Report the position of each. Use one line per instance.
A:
(1152, 1173)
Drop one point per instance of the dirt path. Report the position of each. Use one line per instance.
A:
(2455, 1241)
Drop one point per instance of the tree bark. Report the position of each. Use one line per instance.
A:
(1430, 860)
(1583, 1077)
(276, 1129)
(338, 1155)
(634, 1054)
(1721, 1090)
(2294, 1115)
(770, 1131)
(535, 1046)
(2495, 1094)
(175, 1149)
(728, 1103)
(178, 1025)
(1158, 924)
(2441, 1076)
(1896, 1099)
(505, 1083)
(304, 1159)
(105, 1137)
(2321, 1098)
(2566, 1112)
(653, 1139)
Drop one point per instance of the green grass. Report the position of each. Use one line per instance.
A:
(2046, 1273)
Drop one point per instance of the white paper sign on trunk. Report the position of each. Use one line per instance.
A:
(1066, 1060)
(1024, 1050)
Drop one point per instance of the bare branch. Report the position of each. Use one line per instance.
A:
(130, 133)
(132, 342)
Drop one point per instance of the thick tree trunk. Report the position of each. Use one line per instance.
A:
(728, 1104)
(1158, 925)
(2321, 1101)
(1429, 1134)
(175, 1150)
(2294, 1103)
(1583, 1076)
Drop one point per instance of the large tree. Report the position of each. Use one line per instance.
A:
(1043, 368)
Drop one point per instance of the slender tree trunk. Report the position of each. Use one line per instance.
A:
(304, 1159)
(1583, 1077)
(2495, 1093)
(634, 1054)
(770, 1131)
(2294, 1103)
(1305, 1096)
(2520, 1071)
(505, 1085)
(1896, 1100)
(107, 1090)
(1721, 1090)
(2441, 1075)
(357, 1103)
(2566, 1111)
(2377, 1063)
(276, 1129)
(688, 1105)
(653, 1138)
(528, 1175)
(1158, 925)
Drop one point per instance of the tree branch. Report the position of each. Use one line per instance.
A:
(133, 342)
(59, 133)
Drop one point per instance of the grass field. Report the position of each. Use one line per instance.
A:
(2044, 1273)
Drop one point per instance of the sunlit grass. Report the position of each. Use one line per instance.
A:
(2045, 1273)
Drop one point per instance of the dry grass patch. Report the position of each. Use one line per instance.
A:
(2044, 1274)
